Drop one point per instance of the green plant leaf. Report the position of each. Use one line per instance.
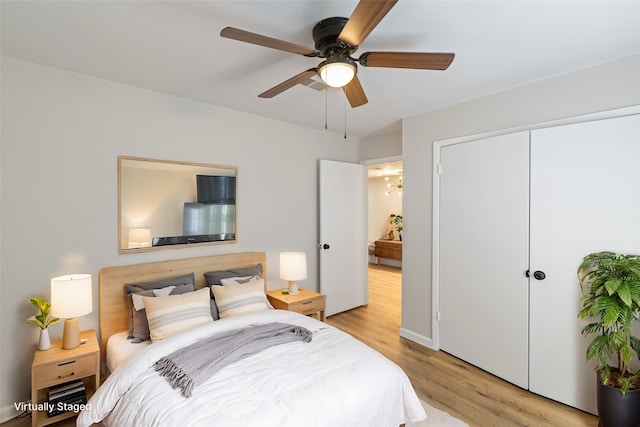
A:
(624, 384)
(592, 328)
(634, 289)
(625, 294)
(52, 321)
(34, 321)
(605, 373)
(42, 320)
(612, 285)
(635, 345)
(609, 309)
(601, 349)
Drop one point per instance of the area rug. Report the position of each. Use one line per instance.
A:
(437, 418)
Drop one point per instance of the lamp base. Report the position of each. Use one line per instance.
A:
(293, 288)
(71, 333)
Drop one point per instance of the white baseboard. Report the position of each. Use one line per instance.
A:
(8, 413)
(417, 338)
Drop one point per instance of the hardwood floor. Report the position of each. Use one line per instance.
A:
(25, 421)
(466, 392)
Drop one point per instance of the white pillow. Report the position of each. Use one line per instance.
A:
(176, 313)
(240, 299)
(230, 281)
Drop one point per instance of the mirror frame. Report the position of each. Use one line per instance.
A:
(197, 169)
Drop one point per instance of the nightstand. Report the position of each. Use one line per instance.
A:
(307, 302)
(57, 366)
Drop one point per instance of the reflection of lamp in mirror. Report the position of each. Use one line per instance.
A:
(139, 238)
(293, 267)
(71, 297)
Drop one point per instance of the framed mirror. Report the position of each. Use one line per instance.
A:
(164, 204)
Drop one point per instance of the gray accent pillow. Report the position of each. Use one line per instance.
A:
(138, 325)
(213, 279)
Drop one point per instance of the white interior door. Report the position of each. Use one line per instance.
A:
(343, 228)
(483, 254)
(584, 198)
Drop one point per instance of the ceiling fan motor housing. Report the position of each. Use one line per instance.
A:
(325, 36)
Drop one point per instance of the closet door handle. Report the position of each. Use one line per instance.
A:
(539, 275)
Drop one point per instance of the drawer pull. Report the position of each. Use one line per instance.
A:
(307, 302)
(64, 376)
(67, 363)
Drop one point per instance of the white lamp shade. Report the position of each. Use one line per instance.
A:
(293, 266)
(71, 296)
(139, 237)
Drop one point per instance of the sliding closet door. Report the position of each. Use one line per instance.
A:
(483, 254)
(584, 198)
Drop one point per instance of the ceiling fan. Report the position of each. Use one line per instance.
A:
(336, 39)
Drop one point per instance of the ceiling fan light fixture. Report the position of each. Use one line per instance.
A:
(337, 71)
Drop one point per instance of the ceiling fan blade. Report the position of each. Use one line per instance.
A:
(355, 93)
(365, 17)
(287, 84)
(253, 38)
(415, 60)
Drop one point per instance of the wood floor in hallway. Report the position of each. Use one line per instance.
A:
(466, 392)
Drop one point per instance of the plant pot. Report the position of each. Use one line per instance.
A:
(616, 410)
(44, 343)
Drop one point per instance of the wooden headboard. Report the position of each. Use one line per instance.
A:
(114, 316)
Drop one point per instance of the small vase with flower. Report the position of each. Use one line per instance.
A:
(43, 321)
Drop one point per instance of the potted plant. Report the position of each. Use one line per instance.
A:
(610, 285)
(43, 321)
(397, 221)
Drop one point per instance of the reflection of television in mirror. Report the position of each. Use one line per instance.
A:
(181, 240)
(212, 217)
(216, 189)
(208, 218)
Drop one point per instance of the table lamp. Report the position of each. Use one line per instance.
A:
(71, 297)
(293, 267)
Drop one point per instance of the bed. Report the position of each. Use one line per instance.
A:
(332, 380)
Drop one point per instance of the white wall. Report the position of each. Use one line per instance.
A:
(380, 146)
(604, 87)
(61, 135)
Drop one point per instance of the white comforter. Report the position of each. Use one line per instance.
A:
(334, 380)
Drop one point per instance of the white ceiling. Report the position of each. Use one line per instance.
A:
(385, 169)
(175, 47)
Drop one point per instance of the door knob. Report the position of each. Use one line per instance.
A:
(323, 246)
(539, 275)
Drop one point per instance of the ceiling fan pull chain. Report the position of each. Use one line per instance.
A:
(326, 89)
(345, 119)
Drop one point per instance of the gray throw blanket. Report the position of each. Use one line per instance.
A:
(193, 365)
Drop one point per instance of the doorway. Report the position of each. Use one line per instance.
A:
(384, 209)
(384, 199)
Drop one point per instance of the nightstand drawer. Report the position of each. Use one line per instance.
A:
(68, 370)
(306, 302)
(309, 306)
